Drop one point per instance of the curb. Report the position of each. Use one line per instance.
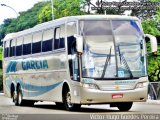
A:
(155, 102)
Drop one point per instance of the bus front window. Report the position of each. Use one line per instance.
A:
(112, 49)
(99, 45)
(129, 48)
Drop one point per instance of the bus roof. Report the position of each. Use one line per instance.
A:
(60, 21)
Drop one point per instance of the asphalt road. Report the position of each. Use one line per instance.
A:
(46, 110)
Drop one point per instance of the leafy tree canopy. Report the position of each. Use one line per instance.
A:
(26, 20)
(61, 8)
(150, 27)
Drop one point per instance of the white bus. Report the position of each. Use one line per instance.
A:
(78, 60)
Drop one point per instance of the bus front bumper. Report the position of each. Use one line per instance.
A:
(93, 96)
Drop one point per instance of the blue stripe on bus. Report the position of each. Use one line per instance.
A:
(33, 90)
(38, 90)
(134, 24)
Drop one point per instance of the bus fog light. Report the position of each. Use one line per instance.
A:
(90, 85)
(141, 84)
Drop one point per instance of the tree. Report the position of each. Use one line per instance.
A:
(26, 20)
(45, 14)
(3, 27)
(62, 8)
(100, 9)
(150, 27)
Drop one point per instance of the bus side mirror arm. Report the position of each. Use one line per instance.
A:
(79, 43)
(153, 42)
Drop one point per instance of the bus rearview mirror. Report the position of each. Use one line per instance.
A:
(153, 42)
(79, 43)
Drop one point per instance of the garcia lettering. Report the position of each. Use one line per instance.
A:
(34, 64)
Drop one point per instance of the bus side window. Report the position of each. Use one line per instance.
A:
(56, 38)
(4, 52)
(62, 36)
(27, 44)
(71, 31)
(36, 44)
(59, 37)
(6, 49)
(12, 47)
(19, 46)
(47, 40)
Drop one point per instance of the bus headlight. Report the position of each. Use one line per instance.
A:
(141, 84)
(89, 85)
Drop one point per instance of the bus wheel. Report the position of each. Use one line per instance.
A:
(126, 106)
(19, 97)
(67, 102)
(14, 97)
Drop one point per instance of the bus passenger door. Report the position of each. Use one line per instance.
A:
(72, 52)
(73, 61)
(75, 64)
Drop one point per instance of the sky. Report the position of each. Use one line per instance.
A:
(18, 5)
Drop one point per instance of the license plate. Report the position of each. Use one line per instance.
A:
(115, 96)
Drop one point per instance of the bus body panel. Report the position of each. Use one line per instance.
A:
(41, 77)
(89, 96)
(113, 87)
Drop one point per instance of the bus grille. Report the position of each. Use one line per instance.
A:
(116, 87)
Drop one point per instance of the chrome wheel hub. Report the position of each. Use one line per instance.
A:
(19, 98)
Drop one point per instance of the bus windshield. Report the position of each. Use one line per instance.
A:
(113, 49)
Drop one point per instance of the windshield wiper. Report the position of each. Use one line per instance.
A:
(106, 63)
(122, 58)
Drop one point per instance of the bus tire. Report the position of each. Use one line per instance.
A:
(20, 100)
(67, 102)
(126, 106)
(14, 97)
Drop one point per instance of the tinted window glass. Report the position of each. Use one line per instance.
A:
(57, 37)
(19, 46)
(71, 31)
(6, 50)
(12, 47)
(36, 44)
(62, 36)
(27, 45)
(47, 40)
